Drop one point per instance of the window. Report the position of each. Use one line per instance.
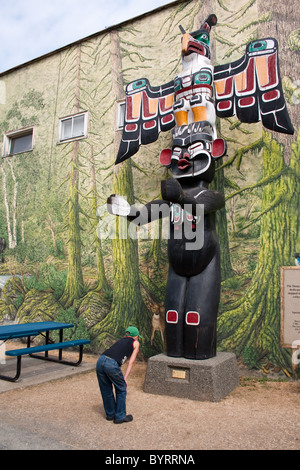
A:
(73, 127)
(18, 142)
(120, 115)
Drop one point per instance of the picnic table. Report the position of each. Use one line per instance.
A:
(28, 330)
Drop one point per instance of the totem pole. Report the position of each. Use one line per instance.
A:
(251, 89)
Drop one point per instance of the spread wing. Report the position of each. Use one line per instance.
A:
(251, 88)
(148, 111)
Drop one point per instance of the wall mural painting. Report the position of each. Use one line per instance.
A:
(232, 216)
(251, 89)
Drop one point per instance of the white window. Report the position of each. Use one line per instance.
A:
(18, 142)
(73, 127)
(120, 114)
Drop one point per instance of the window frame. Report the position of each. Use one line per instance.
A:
(73, 137)
(120, 119)
(9, 137)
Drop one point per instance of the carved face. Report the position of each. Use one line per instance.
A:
(196, 43)
(194, 152)
(193, 161)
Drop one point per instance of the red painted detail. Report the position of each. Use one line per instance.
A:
(246, 102)
(228, 88)
(129, 109)
(194, 89)
(149, 124)
(168, 118)
(165, 157)
(192, 318)
(172, 316)
(271, 95)
(146, 107)
(272, 71)
(131, 127)
(224, 105)
(218, 148)
(162, 105)
(250, 78)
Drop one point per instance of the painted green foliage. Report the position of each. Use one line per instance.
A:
(51, 196)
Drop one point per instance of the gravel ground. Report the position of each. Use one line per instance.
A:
(68, 414)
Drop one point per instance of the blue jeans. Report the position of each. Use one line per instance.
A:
(109, 374)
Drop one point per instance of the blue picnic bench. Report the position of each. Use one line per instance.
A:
(27, 330)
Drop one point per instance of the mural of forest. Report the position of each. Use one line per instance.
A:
(52, 198)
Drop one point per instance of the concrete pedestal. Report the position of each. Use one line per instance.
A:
(201, 380)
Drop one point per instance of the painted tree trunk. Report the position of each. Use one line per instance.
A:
(127, 303)
(155, 252)
(101, 278)
(74, 284)
(221, 224)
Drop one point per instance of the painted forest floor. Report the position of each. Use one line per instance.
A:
(260, 414)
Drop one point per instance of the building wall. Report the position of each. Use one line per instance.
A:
(36, 186)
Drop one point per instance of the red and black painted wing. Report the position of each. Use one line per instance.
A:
(148, 111)
(251, 88)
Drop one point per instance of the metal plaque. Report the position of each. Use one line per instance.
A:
(178, 374)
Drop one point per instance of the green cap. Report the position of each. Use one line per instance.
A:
(132, 331)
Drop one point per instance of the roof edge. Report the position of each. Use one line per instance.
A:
(91, 36)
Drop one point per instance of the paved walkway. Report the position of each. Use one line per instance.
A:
(67, 413)
(36, 371)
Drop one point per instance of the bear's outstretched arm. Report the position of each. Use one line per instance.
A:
(172, 191)
(153, 210)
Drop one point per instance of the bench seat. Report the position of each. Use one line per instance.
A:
(18, 353)
(47, 347)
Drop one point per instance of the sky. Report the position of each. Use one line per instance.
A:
(31, 28)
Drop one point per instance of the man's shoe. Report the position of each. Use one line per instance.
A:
(110, 418)
(127, 419)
